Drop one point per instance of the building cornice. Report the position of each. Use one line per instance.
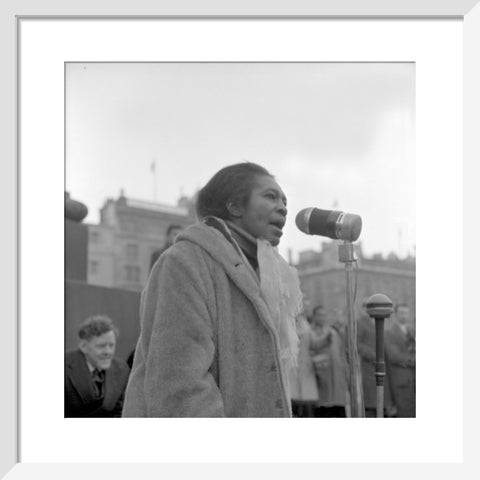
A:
(361, 269)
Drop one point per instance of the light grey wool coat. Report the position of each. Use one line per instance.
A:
(207, 346)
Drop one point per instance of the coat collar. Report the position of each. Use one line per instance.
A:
(219, 243)
(246, 242)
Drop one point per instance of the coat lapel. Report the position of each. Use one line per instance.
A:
(237, 268)
(80, 377)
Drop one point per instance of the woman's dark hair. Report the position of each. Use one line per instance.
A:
(230, 184)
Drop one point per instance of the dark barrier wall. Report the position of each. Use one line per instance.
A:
(122, 306)
(76, 237)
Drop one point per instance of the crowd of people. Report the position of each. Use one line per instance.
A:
(320, 383)
(223, 330)
(95, 379)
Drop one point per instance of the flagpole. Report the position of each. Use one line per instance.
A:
(153, 169)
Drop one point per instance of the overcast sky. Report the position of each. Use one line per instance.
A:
(335, 135)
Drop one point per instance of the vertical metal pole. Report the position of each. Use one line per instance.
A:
(350, 331)
(379, 364)
(346, 256)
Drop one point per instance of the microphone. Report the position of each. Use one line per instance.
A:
(329, 223)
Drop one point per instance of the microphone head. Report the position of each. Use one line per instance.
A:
(349, 227)
(329, 223)
(302, 220)
(379, 306)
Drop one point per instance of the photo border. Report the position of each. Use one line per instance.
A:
(11, 16)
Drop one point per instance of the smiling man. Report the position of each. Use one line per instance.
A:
(95, 379)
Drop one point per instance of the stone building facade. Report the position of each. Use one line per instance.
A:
(322, 278)
(120, 247)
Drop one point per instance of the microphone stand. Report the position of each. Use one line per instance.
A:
(379, 307)
(346, 255)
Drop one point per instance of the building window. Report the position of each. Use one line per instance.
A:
(132, 273)
(93, 267)
(94, 236)
(132, 252)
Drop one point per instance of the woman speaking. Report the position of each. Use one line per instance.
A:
(218, 312)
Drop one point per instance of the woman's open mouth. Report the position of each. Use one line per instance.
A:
(278, 226)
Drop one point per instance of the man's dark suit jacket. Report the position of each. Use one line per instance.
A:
(80, 398)
(401, 352)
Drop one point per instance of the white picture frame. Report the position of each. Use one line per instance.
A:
(469, 11)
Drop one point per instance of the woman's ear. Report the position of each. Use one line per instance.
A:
(235, 209)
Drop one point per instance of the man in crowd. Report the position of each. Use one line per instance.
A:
(329, 360)
(172, 232)
(400, 348)
(95, 379)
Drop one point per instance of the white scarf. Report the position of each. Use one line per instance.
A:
(280, 289)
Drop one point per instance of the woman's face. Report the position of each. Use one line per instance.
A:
(265, 212)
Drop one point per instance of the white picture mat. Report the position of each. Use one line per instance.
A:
(436, 47)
